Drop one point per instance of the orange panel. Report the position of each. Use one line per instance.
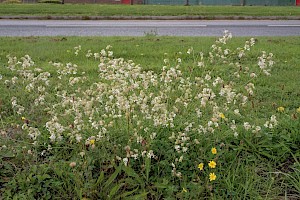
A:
(126, 1)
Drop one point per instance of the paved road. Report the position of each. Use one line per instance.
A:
(146, 27)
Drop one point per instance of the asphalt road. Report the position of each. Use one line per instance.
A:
(148, 27)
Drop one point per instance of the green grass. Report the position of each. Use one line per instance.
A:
(143, 10)
(262, 165)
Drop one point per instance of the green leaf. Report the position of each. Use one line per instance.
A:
(112, 178)
(162, 185)
(138, 196)
(100, 179)
(126, 194)
(7, 155)
(147, 165)
(115, 189)
(130, 172)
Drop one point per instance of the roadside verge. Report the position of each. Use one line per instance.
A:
(220, 17)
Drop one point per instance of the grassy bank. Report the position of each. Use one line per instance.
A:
(149, 118)
(143, 10)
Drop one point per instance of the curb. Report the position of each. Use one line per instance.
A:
(152, 17)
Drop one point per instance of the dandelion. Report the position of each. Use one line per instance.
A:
(200, 166)
(212, 177)
(280, 109)
(212, 164)
(214, 150)
(23, 118)
(222, 116)
(92, 142)
(184, 190)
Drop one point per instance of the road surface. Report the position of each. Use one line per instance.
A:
(148, 27)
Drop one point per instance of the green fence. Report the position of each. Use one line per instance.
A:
(224, 2)
(220, 2)
(270, 2)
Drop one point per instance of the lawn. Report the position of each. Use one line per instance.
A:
(149, 118)
(143, 10)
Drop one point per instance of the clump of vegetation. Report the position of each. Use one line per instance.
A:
(193, 130)
(12, 1)
(50, 1)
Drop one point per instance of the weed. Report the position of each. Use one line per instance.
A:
(190, 129)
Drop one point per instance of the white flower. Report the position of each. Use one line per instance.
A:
(235, 134)
(253, 75)
(247, 126)
(125, 161)
(189, 51)
(150, 154)
(237, 112)
(180, 159)
(82, 154)
(177, 147)
(78, 137)
(52, 137)
(184, 149)
(207, 77)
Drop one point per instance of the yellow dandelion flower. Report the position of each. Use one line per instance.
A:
(212, 177)
(92, 142)
(212, 164)
(213, 150)
(200, 166)
(298, 110)
(23, 118)
(280, 109)
(222, 116)
(184, 190)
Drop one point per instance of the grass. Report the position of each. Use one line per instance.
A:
(251, 165)
(143, 10)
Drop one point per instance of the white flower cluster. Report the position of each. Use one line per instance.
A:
(138, 104)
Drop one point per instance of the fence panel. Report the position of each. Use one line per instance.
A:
(171, 2)
(220, 2)
(270, 2)
(29, 1)
(224, 2)
(286, 2)
(261, 2)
